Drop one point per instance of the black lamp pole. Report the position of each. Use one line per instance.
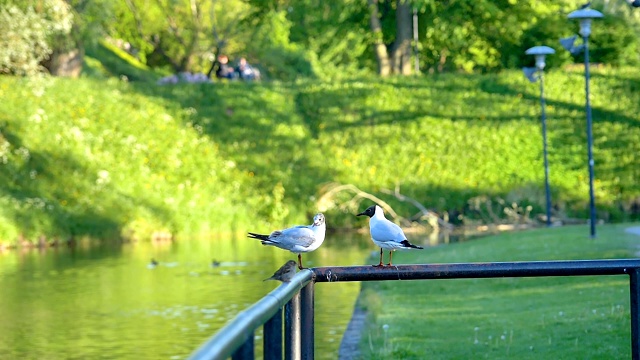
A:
(592, 199)
(540, 52)
(585, 15)
(544, 142)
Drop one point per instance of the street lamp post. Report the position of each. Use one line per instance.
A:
(540, 53)
(585, 16)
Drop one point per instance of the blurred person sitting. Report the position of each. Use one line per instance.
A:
(246, 71)
(225, 71)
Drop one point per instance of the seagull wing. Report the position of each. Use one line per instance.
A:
(299, 235)
(384, 231)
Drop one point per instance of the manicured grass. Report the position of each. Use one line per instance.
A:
(109, 158)
(512, 318)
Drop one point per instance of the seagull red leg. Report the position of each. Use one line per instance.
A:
(300, 262)
(390, 257)
(380, 264)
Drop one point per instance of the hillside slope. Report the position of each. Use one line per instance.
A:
(106, 158)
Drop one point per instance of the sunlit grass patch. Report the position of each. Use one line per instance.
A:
(506, 318)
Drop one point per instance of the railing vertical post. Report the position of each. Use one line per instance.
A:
(307, 321)
(634, 290)
(273, 337)
(245, 351)
(292, 328)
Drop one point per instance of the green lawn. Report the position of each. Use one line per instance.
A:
(511, 318)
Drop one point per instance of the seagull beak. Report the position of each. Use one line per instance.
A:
(362, 213)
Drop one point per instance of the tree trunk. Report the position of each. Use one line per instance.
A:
(384, 66)
(185, 62)
(65, 63)
(401, 55)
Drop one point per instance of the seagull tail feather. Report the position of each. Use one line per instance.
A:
(259, 236)
(406, 243)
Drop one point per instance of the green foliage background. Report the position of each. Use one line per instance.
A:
(292, 39)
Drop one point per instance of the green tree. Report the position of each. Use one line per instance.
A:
(330, 38)
(477, 35)
(391, 27)
(279, 56)
(336, 33)
(614, 42)
(183, 35)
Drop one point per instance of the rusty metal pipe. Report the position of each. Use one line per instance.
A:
(476, 270)
(246, 350)
(307, 321)
(272, 342)
(233, 335)
(634, 291)
(292, 329)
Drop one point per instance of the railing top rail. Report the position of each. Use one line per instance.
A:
(476, 270)
(235, 333)
(231, 336)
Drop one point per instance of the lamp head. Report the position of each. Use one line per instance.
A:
(540, 52)
(585, 27)
(585, 16)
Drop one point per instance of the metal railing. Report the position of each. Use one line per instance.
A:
(236, 339)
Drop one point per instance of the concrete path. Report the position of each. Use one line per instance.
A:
(635, 230)
(350, 344)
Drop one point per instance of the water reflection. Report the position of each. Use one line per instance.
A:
(104, 301)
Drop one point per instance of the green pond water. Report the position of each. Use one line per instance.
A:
(105, 302)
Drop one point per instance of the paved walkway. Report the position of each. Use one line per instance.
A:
(350, 344)
(635, 230)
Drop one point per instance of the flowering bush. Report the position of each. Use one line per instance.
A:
(28, 34)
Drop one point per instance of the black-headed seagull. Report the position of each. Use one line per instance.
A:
(297, 239)
(386, 234)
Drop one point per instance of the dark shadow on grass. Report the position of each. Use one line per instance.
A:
(332, 109)
(240, 118)
(41, 183)
(245, 118)
(495, 86)
(615, 157)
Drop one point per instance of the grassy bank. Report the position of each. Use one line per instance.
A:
(525, 318)
(106, 158)
(99, 159)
